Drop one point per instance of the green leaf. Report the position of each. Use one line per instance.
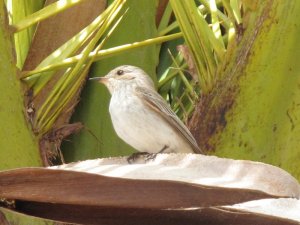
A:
(18, 10)
(44, 13)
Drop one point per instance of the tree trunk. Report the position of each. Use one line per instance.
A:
(253, 112)
(18, 145)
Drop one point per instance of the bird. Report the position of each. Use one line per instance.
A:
(141, 117)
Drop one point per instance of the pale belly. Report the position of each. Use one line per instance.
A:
(143, 129)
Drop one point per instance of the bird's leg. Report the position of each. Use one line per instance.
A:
(163, 149)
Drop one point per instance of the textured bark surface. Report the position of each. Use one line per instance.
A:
(252, 111)
(18, 146)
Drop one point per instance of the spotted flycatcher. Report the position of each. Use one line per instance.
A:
(141, 117)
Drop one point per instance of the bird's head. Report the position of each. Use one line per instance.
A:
(125, 76)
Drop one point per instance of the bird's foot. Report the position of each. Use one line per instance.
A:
(147, 156)
(135, 156)
(150, 156)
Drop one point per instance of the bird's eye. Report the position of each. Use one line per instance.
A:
(120, 72)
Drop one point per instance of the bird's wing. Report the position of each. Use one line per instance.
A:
(158, 104)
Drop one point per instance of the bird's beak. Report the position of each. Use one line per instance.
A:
(99, 79)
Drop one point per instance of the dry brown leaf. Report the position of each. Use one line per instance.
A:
(168, 190)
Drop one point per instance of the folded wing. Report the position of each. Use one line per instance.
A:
(158, 104)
